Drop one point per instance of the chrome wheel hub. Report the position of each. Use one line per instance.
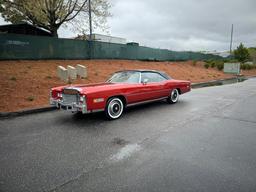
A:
(174, 95)
(115, 108)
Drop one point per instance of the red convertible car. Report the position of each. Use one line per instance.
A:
(122, 89)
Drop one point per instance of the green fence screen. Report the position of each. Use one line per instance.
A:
(14, 47)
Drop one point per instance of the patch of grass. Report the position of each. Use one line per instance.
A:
(13, 78)
(30, 98)
(48, 77)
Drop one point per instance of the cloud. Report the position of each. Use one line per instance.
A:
(185, 25)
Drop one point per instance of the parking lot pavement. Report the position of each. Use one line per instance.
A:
(206, 142)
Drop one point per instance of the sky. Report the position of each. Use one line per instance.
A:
(192, 25)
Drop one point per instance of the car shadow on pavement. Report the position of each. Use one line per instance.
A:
(94, 120)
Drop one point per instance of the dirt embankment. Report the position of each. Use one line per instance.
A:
(26, 84)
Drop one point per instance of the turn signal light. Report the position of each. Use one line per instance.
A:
(98, 100)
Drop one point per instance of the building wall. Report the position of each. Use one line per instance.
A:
(108, 39)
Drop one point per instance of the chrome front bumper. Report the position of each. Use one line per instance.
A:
(73, 107)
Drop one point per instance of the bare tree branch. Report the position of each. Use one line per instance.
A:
(51, 14)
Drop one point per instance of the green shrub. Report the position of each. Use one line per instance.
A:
(249, 67)
(13, 78)
(194, 63)
(230, 60)
(241, 53)
(30, 98)
(246, 66)
(213, 64)
(220, 66)
(208, 61)
(206, 65)
(69, 81)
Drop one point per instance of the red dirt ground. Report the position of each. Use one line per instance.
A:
(26, 84)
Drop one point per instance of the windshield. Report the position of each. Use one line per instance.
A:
(125, 77)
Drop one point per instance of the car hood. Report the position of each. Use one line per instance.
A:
(94, 87)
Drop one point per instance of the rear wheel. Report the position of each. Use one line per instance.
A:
(173, 97)
(114, 108)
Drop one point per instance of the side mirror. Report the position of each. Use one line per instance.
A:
(145, 81)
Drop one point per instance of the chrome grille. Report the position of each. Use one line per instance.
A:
(69, 99)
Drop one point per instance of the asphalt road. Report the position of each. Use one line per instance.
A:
(206, 142)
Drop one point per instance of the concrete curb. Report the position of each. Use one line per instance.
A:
(219, 82)
(26, 112)
(194, 86)
(251, 77)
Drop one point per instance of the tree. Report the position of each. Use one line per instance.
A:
(51, 14)
(252, 52)
(241, 53)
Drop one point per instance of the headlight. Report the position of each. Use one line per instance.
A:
(59, 95)
(82, 98)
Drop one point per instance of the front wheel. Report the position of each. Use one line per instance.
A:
(173, 97)
(114, 108)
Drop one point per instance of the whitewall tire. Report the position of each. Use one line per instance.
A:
(114, 108)
(173, 97)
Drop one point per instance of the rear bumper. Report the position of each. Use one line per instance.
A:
(73, 107)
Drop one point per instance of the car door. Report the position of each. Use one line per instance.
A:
(153, 85)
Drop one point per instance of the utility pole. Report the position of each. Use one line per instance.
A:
(90, 19)
(231, 40)
(90, 26)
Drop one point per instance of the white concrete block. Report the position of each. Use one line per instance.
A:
(64, 75)
(71, 72)
(59, 70)
(81, 71)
